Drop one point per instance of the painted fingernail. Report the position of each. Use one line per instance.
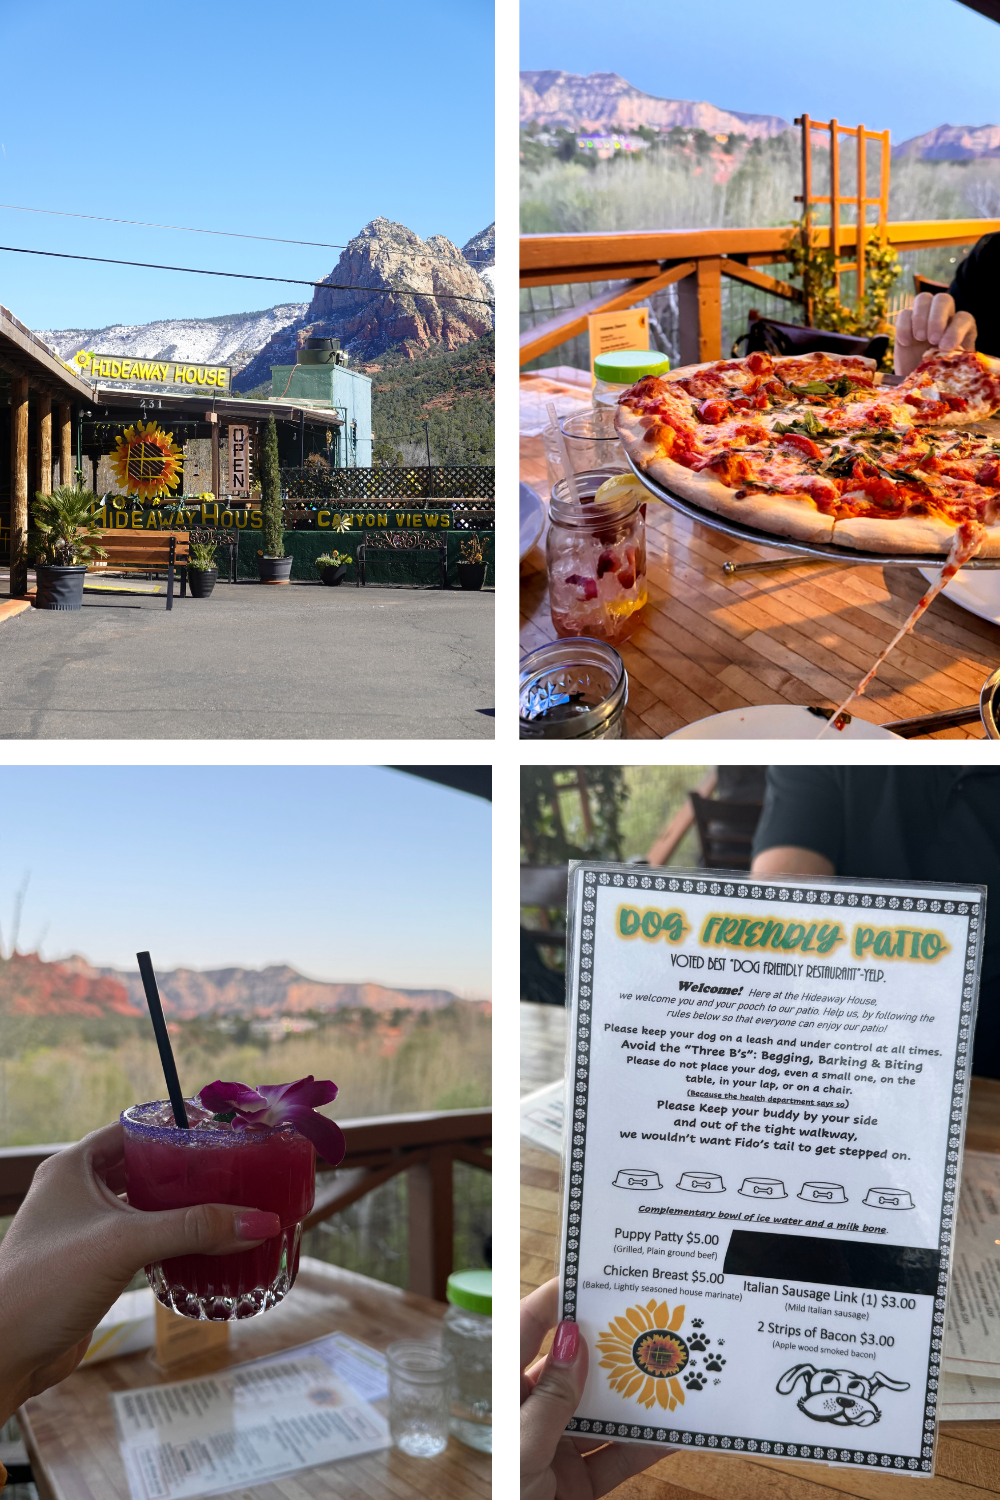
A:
(565, 1343)
(257, 1224)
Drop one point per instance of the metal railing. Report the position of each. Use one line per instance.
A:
(692, 266)
(423, 1146)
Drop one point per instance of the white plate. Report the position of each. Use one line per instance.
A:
(776, 721)
(977, 592)
(532, 519)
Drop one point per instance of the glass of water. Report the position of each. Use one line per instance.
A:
(421, 1388)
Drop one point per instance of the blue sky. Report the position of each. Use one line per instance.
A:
(302, 120)
(902, 65)
(345, 872)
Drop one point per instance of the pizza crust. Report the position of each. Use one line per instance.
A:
(783, 515)
(909, 534)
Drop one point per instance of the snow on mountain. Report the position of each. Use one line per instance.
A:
(606, 101)
(232, 339)
(952, 143)
(238, 338)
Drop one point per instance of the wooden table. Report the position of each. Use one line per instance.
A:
(968, 1453)
(69, 1431)
(802, 635)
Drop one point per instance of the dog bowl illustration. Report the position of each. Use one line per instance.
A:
(638, 1178)
(701, 1182)
(823, 1192)
(763, 1187)
(888, 1198)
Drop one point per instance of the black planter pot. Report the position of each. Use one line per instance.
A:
(332, 576)
(471, 575)
(274, 569)
(202, 581)
(59, 588)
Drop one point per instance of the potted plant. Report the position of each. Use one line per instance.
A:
(332, 566)
(66, 535)
(471, 565)
(272, 564)
(202, 572)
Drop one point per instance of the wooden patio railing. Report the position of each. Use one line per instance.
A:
(423, 1145)
(696, 260)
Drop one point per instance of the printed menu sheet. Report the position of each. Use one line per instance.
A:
(767, 1086)
(246, 1425)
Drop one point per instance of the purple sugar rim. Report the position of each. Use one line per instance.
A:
(175, 1135)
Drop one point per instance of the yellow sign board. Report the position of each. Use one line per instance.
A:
(628, 329)
(112, 368)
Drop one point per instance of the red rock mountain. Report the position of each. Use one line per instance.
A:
(277, 990)
(31, 987)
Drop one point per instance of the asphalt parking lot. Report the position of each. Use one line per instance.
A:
(302, 662)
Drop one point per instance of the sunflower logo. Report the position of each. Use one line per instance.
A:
(82, 358)
(147, 461)
(644, 1354)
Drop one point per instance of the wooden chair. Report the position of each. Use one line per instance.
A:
(145, 552)
(925, 284)
(726, 831)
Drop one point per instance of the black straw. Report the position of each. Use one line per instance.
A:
(162, 1040)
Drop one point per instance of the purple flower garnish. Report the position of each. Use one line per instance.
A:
(279, 1104)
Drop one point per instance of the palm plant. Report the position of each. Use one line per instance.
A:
(66, 529)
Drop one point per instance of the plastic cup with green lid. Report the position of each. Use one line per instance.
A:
(468, 1338)
(615, 371)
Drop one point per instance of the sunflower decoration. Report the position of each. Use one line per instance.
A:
(147, 462)
(644, 1354)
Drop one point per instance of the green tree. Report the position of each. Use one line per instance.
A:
(270, 493)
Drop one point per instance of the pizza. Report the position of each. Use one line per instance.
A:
(812, 447)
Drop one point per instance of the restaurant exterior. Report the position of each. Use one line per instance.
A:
(167, 445)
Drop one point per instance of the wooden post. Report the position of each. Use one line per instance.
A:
(18, 486)
(65, 443)
(859, 300)
(883, 191)
(431, 1224)
(44, 400)
(835, 204)
(709, 275)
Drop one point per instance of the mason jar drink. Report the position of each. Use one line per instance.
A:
(596, 555)
(261, 1167)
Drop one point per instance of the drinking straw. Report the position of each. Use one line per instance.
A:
(564, 452)
(162, 1040)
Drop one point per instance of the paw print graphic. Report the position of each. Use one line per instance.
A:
(695, 1382)
(699, 1342)
(715, 1363)
(721, 1343)
(716, 1381)
(697, 1323)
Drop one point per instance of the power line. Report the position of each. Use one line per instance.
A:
(232, 234)
(335, 286)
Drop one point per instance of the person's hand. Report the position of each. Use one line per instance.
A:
(73, 1248)
(554, 1465)
(931, 323)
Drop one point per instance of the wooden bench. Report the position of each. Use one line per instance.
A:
(145, 552)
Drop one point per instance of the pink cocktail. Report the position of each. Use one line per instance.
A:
(255, 1167)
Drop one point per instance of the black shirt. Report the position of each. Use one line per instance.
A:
(976, 289)
(932, 823)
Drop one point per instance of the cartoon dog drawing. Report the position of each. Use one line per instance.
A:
(838, 1396)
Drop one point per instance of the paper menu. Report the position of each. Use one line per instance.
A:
(245, 1425)
(767, 1091)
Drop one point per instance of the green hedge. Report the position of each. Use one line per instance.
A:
(305, 546)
